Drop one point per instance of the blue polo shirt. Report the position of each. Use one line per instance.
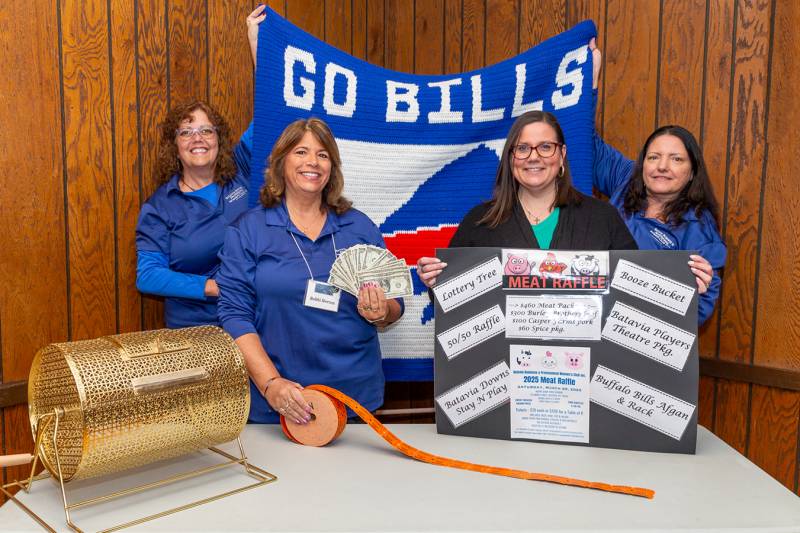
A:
(262, 282)
(612, 173)
(178, 237)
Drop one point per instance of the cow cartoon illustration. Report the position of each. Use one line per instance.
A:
(524, 358)
(585, 265)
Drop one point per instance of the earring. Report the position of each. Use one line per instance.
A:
(561, 172)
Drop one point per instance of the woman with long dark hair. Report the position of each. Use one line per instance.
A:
(534, 204)
(666, 199)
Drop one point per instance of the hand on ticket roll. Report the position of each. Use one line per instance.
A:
(372, 304)
(286, 397)
(702, 270)
(428, 269)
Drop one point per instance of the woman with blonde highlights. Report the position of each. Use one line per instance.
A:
(275, 263)
(272, 194)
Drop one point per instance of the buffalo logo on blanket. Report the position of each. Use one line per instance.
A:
(564, 270)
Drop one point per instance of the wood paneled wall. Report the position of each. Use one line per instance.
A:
(86, 82)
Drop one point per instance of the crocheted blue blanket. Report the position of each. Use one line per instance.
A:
(418, 151)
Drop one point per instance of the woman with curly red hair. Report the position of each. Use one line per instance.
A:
(204, 181)
(181, 227)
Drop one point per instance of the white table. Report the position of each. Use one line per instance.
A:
(361, 484)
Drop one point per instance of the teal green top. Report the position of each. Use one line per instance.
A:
(544, 230)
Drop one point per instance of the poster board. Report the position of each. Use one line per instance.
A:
(593, 348)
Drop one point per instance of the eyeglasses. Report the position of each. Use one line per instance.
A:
(206, 132)
(545, 149)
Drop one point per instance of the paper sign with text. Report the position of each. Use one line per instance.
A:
(642, 403)
(553, 317)
(477, 395)
(472, 332)
(550, 392)
(651, 286)
(469, 284)
(648, 335)
(555, 270)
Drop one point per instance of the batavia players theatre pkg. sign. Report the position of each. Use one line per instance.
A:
(418, 151)
(581, 347)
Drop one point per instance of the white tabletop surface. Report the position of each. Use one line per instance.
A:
(360, 483)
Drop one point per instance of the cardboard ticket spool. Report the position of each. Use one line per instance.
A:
(327, 421)
(105, 405)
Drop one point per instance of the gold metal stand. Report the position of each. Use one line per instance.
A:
(262, 477)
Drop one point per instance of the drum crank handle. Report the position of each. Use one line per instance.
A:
(15, 460)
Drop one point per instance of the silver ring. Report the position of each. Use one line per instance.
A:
(282, 410)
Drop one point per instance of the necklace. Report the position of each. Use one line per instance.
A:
(305, 228)
(533, 219)
(189, 186)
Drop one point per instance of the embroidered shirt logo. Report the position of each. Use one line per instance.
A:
(235, 194)
(666, 240)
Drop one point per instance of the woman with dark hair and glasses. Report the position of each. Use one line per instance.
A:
(534, 204)
(666, 199)
(181, 227)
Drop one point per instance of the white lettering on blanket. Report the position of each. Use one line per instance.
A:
(402, 98)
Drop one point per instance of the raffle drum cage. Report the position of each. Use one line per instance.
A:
(104, 405)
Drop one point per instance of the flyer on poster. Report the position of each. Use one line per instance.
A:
(547, 316)
(550, 392)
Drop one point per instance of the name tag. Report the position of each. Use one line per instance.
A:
(321, 295)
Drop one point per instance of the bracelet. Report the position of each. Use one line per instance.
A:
(266, 386)
(380, 319)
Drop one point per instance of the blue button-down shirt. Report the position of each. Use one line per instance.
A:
(263, 280)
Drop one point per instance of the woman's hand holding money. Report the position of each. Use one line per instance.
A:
(428, 269)
(372, 303)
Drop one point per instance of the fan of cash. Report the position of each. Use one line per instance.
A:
(365, 263)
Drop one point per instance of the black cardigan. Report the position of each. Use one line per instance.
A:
(588, 225)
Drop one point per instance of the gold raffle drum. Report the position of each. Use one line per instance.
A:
(136, 398)
(113, 403)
